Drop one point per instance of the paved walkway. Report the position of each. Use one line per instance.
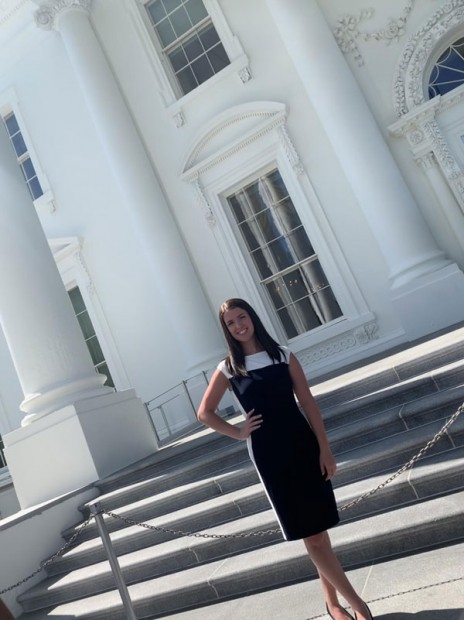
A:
(423, 586)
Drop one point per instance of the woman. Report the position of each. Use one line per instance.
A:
(290, 450)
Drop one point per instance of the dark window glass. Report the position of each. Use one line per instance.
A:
(448, 71)
(187, 80)
(218, 58)
(35, 188)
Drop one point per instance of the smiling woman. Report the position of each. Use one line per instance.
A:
(288, 446)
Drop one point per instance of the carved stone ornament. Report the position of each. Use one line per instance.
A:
(45, 16)
(409, 76)
(8, 8)
(290, 150)
(347, 31)
(359, 336)
(245, 74)
(203, 200)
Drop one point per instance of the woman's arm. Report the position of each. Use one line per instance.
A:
(313, 415)
(209, 404)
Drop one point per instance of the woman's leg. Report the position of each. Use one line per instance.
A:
(321, 553)
(336, 610)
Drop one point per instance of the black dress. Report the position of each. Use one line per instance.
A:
(284, 449)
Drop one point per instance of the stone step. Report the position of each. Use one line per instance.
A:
(354, 464)
(394, 368)
(434, 475)
(351, 435)
(382, 535)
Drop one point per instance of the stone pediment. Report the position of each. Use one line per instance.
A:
(230, 131)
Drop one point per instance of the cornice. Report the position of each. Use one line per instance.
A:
(48, 13)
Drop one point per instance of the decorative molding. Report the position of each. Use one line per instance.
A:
(245, 74)
(360, 336)
(46, 16)
(347, 31)
(204, 203)
(179, 119)
(256, 119)
(8, 8)
(290, 150)
(409, 76)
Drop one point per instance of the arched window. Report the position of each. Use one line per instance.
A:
(448, 71)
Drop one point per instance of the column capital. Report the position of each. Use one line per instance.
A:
(47, 15)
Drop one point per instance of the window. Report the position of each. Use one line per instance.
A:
(189, 42)
(448, 71)
(2, 456)
(90, 337)
(282, 255)
(22, 154)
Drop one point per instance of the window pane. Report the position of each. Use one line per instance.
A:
(268, 226)
(306, 315)
(35, 188)
(264, 263)
(202, 69)
(301, 246)
(171, 5)
(178, 59)
(327, 304)
(282, 253)
(193, 48)
(95, 350)
(250, 235)
(286, 215)
(218, 58)
(287, 323)
(76, 300)
(196, 10)
(86, 325)
(276, 186)
(180, 21)
(187, 80)
(209, 37)
(28, 168)
(448, 72)
(236, 209)
(11, 124)
(165, 32)
(19, 144)
(156, 11)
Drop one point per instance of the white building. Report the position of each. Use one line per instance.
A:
(307, 156)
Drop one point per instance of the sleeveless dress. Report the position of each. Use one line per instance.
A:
(284, 449)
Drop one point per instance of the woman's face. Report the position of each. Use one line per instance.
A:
(239, 324)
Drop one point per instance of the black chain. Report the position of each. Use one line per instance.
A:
(51, 558)
(261, 533)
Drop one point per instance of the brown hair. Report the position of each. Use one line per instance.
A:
(235, 361)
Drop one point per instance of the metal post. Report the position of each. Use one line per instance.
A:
(95, 510)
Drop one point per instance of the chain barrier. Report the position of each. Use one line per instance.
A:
(261, 533)
(53, 557)
(356, 501)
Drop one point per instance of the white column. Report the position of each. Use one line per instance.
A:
(386, 201)
(179, 289)
(50, 356)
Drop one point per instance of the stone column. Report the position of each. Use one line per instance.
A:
(76, 430)
(418, 269)
(178, 286)
(49, 353)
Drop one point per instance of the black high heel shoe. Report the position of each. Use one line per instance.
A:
(347, 613)
(371, 617)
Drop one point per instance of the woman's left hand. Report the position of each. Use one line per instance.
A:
(327, 463)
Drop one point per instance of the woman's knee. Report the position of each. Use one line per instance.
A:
(317, 541)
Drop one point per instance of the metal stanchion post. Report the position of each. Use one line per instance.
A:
(95, 510)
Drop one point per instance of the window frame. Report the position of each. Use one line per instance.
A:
(9, 105)
(261, 283)
(175, 104)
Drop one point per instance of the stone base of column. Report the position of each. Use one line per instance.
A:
(431, 302)
(77, 445)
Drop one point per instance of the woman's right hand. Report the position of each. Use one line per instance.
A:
(252, 423)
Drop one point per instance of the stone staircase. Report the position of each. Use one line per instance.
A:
(377, 418)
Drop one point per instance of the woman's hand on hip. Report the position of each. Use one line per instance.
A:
(327, 463)
(252, 423)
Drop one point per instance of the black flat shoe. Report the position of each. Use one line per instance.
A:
(347, 613)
